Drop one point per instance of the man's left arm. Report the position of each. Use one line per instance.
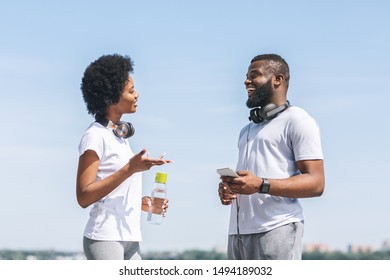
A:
(310, 183)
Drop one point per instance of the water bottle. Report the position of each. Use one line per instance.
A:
(158, 195)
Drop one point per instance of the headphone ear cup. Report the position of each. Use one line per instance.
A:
(255, 116)
(132, 130)
(124, 130)
(268, 112)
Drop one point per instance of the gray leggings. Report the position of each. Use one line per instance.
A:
(282, 243)
(111, 250)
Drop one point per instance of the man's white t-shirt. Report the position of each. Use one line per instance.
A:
(116, 217)
(270, 149)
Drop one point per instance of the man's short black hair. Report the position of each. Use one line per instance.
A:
(104, 81)
(277, 64)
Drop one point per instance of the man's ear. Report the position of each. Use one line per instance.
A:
(277, 80)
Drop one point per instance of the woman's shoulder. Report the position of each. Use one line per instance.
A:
(94, 130)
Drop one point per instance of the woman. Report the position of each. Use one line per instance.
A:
(109, 173)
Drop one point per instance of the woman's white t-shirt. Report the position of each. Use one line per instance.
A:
(116, 217)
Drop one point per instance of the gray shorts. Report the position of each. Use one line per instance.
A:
(111, 250)
(282, 243)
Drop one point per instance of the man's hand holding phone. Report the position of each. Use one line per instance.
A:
(224, 192)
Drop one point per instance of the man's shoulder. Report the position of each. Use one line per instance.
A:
(300, 120)
(295, 113)
(244, 129)
(296, 110)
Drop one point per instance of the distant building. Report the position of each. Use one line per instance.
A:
(353, 248)
(316, 247)
(386, 245)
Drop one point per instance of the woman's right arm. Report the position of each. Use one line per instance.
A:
(88, 190)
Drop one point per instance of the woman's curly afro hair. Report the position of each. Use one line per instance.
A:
(104, 81)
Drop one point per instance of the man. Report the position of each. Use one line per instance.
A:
(280, 160)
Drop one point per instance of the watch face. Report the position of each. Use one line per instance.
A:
(265, 189)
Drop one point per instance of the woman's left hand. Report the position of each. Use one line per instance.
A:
(142, 162)
(155, 205)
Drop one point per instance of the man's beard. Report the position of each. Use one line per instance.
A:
(261, 96)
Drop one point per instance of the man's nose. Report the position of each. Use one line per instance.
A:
(247, 82)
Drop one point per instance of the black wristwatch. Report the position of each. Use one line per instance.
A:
(265, 186)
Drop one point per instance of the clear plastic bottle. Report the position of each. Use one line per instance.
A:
(158, 195)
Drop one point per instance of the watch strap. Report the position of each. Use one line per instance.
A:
(265, 186)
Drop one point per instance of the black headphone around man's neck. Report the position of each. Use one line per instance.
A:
(267, 112)
(121, 129)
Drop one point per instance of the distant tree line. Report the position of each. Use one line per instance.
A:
(338, 255)
(186, 255)
(315, 255)
(190, 255)
(35, 254)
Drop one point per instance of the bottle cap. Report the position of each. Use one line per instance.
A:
(161, 177)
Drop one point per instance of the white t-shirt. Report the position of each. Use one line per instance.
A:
(270, 149)
(116, 217)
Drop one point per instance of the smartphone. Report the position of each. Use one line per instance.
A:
(227, 172)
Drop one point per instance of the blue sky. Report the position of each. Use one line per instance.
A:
(191, 59)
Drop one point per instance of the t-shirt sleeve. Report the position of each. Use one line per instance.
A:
(91, 142)
(243, 130)
(306, 140)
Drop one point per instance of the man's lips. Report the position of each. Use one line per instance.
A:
(250, 90)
